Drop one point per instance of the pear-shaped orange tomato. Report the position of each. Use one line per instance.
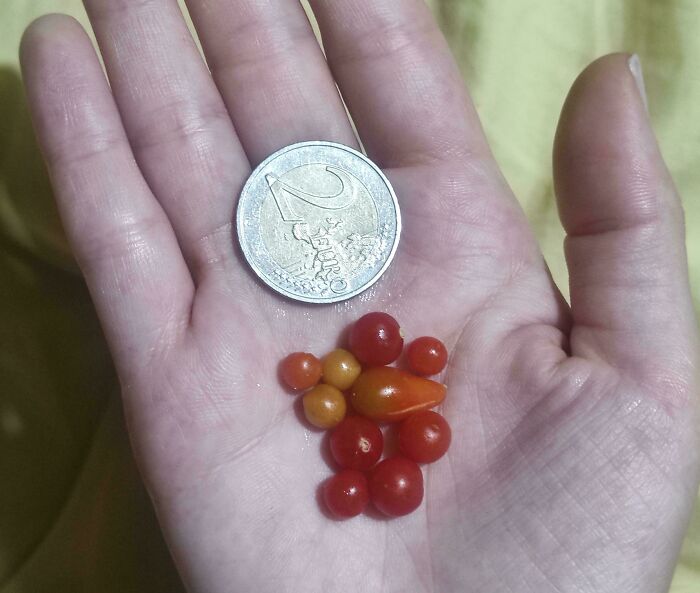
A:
(387, 394)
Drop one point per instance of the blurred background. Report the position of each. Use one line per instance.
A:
(73, 514)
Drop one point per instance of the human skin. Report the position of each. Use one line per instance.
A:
(573, 466)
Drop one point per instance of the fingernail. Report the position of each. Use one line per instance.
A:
(635, 67)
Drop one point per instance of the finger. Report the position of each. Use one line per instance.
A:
(400, 82)
(271, 73)
(625, 239)
(176, 121)
(121, 236)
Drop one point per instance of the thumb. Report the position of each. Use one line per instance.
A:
(625, 249)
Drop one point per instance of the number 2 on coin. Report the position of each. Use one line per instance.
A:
(285, 194)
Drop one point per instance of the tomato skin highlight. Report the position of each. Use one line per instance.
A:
(396, 486)
(324, 406)
(375, 339)
(356, 443)
(424, 436)
(346, 494)
(426, 356)
(340, 369)
(387, 394)
(300, 370)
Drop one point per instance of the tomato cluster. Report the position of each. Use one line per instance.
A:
(377, 393)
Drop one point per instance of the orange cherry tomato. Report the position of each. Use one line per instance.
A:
(300, 370)
(388, 394)
(324, 406)
(340, 369)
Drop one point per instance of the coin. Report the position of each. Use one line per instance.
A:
(318, 222)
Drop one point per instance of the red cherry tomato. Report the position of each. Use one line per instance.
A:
(427, 356)
(396, 486)
(424, 436)
(356, 443)
(388, 394)
(301, 370)
(346, 493)
(375, 339)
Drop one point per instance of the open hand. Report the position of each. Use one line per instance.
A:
(573, 465)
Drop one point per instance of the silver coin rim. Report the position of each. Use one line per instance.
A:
(260, 274)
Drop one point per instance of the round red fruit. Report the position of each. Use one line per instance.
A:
(301, 370)
(396, 486)
(426, 356)
(346, 493)
(375, 339)
(425, 436)
(356, 443)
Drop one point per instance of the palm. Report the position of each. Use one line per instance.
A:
(569, 469)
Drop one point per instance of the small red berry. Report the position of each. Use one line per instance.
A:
(375, 339)
(425, 436)
(426, 356)
(301, 370)
(396, 486)
(346, 493)
(356, 443)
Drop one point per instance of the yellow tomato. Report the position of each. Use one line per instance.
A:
(324, 406)
(340, 369)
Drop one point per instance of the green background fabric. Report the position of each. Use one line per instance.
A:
(73, 513)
